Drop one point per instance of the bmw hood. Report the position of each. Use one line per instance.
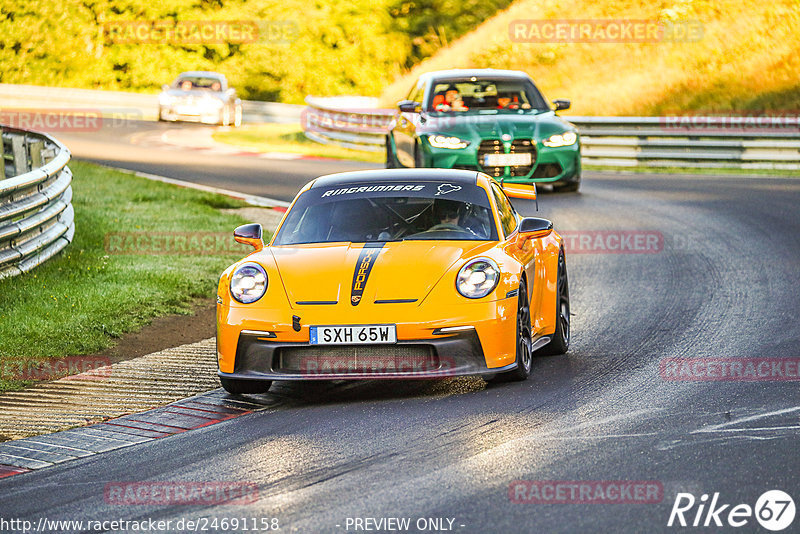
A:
(358, 274)
(476, 127)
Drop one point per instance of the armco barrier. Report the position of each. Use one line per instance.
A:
(743, 142)
(124, 105)
(36, 216)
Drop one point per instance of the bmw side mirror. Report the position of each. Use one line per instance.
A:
(409, 106)
(250, 234)
(561, 104)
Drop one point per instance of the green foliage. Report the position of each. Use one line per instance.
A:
(319, 47)
(743, 59)
(432, 24)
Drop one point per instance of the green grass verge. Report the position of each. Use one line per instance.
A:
(80, 301)
(289, 138)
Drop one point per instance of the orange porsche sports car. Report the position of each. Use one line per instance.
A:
(413, 273)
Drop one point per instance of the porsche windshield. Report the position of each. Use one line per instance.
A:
(394, 211)
(485, 96)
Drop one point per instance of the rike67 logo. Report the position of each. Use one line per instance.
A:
(774, 510)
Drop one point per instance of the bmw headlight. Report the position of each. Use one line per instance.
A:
(249, 283)
(563, 139)
(444, 141)
(477, 278)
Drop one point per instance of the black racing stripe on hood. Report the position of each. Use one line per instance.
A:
(366, 260)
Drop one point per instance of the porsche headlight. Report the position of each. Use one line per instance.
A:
(444, 141)
(477, 278)
(564, 139)
(249, 283)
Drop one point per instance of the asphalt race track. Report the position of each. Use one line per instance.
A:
(719, 281)
(138, 146)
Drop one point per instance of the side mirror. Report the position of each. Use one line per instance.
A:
(562, 104)
(526, 191)
(250, 234)
(531, 228)
(409, 106)
(165, 87)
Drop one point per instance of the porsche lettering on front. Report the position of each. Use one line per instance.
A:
(394, 274)
(365, 262)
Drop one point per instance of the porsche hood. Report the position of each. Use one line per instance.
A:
(359, 274)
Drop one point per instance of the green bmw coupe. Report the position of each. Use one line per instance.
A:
(495, 121)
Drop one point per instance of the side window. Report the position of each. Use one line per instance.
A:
(508, 218)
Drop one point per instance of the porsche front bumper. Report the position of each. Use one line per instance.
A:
(259, 358)
(264, 344)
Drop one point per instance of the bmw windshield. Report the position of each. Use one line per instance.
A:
(389, 211)
(485, 96)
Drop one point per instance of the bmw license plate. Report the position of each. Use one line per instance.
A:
(506, 160)
(353, 335)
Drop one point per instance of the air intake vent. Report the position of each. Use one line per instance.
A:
(518, 146)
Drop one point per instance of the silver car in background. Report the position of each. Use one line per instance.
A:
(200, 96)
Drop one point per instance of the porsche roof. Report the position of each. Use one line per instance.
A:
(391, 175)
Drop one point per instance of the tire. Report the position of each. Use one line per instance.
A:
(391, 161)
(567, 188)
(235, 386)
(161, 114)
(225, 117)
(560, 342)
(237, 116)
(524, 356)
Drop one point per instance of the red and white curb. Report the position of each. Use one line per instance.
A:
(24, 455)
(201, 140)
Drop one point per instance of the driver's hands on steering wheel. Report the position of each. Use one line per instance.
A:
(445, 226)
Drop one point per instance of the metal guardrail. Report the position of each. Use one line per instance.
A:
(342, 121)
(746, 142)
(36, 216)
(123, 105)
